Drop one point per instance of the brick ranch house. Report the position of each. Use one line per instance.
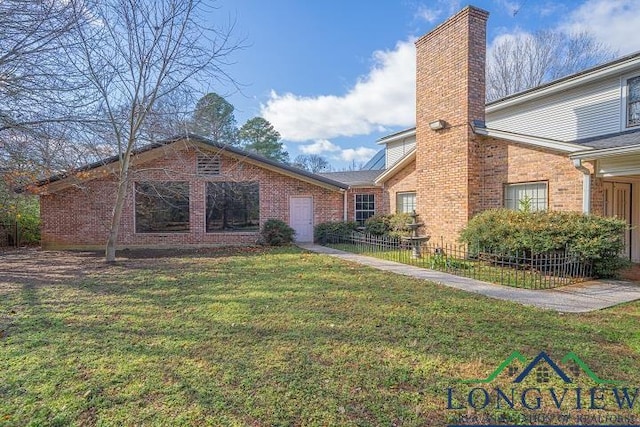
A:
(572, 144)
(186, 191)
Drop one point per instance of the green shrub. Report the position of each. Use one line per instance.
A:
(22, 209)
(377, 225)
(393, 225)
(322, 231)
(275, 232)
(593, 238)
(398, 224)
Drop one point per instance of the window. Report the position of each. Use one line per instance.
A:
(162, 207)
(529, 196)
(405, 202)
(633, 102)
(208, 165)
(365, 207)
(233, 206)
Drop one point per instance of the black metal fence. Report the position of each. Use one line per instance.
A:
(519, 269)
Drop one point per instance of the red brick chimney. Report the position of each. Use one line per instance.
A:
(450, 87)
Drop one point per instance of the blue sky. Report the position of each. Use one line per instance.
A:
(333, 76)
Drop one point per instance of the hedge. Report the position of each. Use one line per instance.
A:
(593, 238)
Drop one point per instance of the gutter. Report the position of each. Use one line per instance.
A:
(345, 203)
(586, 185)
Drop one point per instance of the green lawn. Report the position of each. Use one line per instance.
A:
(267, 337)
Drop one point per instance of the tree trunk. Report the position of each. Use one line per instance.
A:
(123, 183)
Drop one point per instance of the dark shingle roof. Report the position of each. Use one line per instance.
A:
(206, 141)
(354, 178)
(619, 139)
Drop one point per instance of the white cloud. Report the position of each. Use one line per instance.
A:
(323, 146)
(428, 14)
(384, 97)
(613, 22)
(360, 154)
(319, 147)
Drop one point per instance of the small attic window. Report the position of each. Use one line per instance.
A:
(208, 165)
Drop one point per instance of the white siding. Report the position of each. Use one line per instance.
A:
(397, 149)
(577, 113)
(619, 166)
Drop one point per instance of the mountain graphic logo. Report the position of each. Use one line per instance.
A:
(543, 367)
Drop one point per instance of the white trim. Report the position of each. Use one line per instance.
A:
(397, 136)
(624, 113)
(400, 164)
(582, 79)
(586, 185)
(606, 152)
(536, 141)
(355, 204)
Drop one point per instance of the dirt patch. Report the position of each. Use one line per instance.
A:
(33, 266)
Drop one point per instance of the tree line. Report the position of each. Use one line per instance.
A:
(214, 119)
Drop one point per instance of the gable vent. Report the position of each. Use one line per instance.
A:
(208, 165)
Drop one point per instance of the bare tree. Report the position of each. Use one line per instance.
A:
(135, 54)
(39, 88)
(313, 163)
(528, 60)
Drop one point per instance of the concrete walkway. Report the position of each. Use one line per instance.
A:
(580, 298)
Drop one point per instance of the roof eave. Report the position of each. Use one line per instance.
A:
(232, 151)
(398, 136)
(551, 144)
(397, 167)
(596, 154)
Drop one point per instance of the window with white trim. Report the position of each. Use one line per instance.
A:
(406, 202)
(365, 207)
(633, 101)
(529, 196)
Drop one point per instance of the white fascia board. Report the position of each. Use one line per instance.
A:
(606, 152)
(397, 137)
(399, 165)
(536, 141)
(620, 68)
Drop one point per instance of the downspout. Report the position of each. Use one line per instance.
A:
(345, 205)
(586, 185)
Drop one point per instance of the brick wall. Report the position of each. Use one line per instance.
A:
(509, 163)
(450, 86)
(403, 181)
(79, 216)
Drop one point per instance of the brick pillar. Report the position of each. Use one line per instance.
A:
(450, 86)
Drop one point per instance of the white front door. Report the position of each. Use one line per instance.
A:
(617, 202)
(301, 218)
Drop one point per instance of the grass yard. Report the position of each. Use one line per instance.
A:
(265, 337)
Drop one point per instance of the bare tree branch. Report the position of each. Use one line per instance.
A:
(524, 61)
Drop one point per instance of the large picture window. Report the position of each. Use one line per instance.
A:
(528, 196)
(162, 207)
(633, 101)
(233, 206)
(405, 202)
(365, 207)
